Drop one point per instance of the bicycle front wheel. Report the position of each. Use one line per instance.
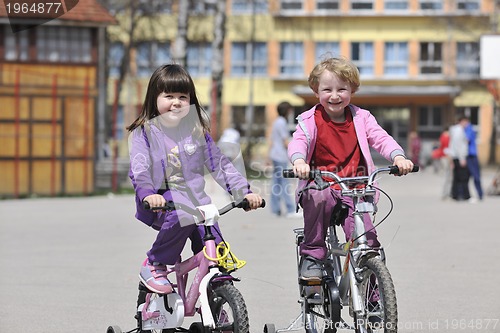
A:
(229, 309)
(379, 298)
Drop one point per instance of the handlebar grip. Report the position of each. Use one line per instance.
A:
(395, 169)
(245, 205)
(288, 173)
(167, 206)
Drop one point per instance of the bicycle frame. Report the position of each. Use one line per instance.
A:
(207, 269)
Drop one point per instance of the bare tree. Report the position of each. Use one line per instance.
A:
(217, 66)
(179, 46)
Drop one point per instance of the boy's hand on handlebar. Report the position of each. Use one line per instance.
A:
(254, 200)
(155, 200)
(301, 169)
(405, 165)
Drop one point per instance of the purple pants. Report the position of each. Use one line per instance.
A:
(177, 228)
(318, 207)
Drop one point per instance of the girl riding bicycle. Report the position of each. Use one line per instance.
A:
(170, 147)
(336, 136)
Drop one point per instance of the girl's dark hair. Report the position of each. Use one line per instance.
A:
(169, 79)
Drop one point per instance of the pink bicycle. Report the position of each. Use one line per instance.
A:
(211, 293)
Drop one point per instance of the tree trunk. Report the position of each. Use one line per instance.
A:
(217, 67)
(179, 48)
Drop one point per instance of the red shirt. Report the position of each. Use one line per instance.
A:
(337, 148)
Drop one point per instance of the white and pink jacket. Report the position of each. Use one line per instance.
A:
(368, 132)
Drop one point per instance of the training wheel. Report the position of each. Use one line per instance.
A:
(269, 328)
(114, 329)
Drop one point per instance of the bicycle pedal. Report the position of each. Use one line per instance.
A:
(312, 282)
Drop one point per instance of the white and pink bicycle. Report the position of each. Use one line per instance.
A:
(211, 293)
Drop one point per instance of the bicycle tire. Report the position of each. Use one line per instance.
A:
(316, 320)
(228, 309)
(380, 316)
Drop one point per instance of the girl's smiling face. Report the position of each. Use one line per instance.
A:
(334, 95)
(172, 107)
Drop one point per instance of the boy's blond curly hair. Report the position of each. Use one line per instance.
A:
(341, 67)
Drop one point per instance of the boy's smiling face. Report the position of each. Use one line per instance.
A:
(334, 95)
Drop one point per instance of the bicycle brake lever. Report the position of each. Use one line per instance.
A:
(320, 182)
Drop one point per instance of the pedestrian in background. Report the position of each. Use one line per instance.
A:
(472, 160)
(415, 146)
(441, 155)
(229, 144)
(459, 150)
(280, 137)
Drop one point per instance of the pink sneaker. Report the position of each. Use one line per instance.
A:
(154, 277)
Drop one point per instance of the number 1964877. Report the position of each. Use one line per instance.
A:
(13, 7)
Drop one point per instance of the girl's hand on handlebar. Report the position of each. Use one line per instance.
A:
(405, 165)
(254, 200)
(155, 200)
(301, 169)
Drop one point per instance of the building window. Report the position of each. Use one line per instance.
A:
(396, 59)
(468, 5)
(241, 115)
(430, 122)
(116, 52)
(467, 58)
(431, 59)
(363, 57)
(150, 55)
(202, 7)
(63, 44)
(327, 49)
(245, 6)
(199, 58)
(362, 4)
(248, 58)
(431, 4)
(327, 5)
(16, 45)
(396, 5)
(292, 59)
(291, 5)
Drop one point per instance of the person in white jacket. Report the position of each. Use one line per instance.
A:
(458, 150)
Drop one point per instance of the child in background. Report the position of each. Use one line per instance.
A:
(170, 147)
(336, 136)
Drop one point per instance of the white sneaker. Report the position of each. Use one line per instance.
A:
(294, 216)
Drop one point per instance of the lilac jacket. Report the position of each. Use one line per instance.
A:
(148, 162)
(368, 132)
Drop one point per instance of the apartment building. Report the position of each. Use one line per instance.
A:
(418, 59)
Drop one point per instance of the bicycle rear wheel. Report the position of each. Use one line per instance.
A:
(321, 315)
(229, 309)
(379, 298)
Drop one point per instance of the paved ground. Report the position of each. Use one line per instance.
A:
(71, 264)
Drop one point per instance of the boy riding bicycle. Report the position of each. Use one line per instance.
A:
(336, 136)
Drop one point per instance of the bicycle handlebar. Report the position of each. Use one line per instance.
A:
(170, 205)
(317, 176)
